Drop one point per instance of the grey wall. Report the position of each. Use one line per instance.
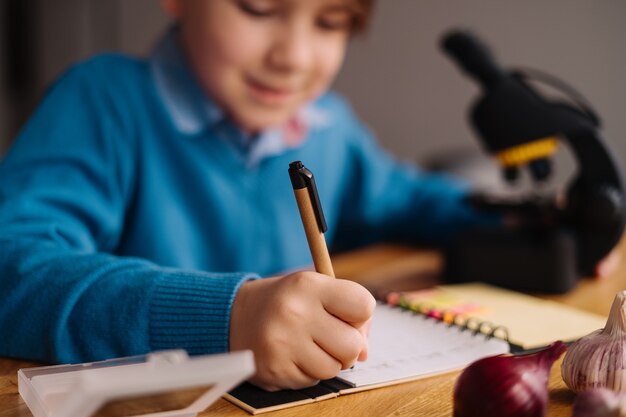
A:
(70, 30)
(410, 94)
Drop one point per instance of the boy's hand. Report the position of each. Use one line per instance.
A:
(301, 327)
(608, 264)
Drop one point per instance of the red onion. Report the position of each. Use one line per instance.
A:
(600, 402)
(506, 386)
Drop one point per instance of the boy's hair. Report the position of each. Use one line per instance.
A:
(362, 15)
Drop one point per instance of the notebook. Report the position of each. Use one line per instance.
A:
(528, 322)
(403, 346)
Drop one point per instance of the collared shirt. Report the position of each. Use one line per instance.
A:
(192, 110)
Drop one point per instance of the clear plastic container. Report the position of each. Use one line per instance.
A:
(163, 384)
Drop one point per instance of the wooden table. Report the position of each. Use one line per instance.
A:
(427, 397)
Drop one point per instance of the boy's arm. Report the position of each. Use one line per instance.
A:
(390, 200)
(64, 188)
(61, 304)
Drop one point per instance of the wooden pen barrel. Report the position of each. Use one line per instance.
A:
(315, 237)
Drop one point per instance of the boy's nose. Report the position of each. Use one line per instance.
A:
(292, 49)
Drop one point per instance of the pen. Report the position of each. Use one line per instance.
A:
(312, 216)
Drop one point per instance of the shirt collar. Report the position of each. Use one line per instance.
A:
(192, 111)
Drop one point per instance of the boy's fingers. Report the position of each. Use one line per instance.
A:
(294, 379)
(348, 301)
(608, 265)
(299, 380)
(316, 363)
(339, 340)
(365, 329)
(363, 355)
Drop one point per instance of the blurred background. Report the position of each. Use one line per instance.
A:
(400, 83)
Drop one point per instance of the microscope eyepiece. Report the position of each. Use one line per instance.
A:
(473, 57)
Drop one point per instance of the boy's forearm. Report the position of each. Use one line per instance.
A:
(63, 306)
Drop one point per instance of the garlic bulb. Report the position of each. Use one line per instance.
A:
(600, 402)
(598, 359)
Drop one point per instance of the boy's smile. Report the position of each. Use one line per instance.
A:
(261, 60)
(271, 94)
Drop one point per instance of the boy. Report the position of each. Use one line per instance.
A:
(140, 190)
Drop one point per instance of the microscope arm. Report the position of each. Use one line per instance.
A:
(595, 205)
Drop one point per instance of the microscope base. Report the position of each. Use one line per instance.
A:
(540, 261)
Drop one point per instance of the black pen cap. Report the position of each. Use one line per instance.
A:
(301, 178)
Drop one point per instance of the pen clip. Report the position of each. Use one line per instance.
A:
(301, 177)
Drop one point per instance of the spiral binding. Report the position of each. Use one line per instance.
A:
(462, 321)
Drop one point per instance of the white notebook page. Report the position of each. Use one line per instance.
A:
(405, 345)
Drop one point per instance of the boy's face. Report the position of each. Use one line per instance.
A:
(263, 59)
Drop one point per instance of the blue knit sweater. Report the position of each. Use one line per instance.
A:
(124, 230)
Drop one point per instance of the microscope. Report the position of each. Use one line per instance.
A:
(554, 240)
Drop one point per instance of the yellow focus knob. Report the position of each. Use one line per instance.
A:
(522, 154)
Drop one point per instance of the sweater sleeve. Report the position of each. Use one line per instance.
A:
(395, 201)
(64, 295)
